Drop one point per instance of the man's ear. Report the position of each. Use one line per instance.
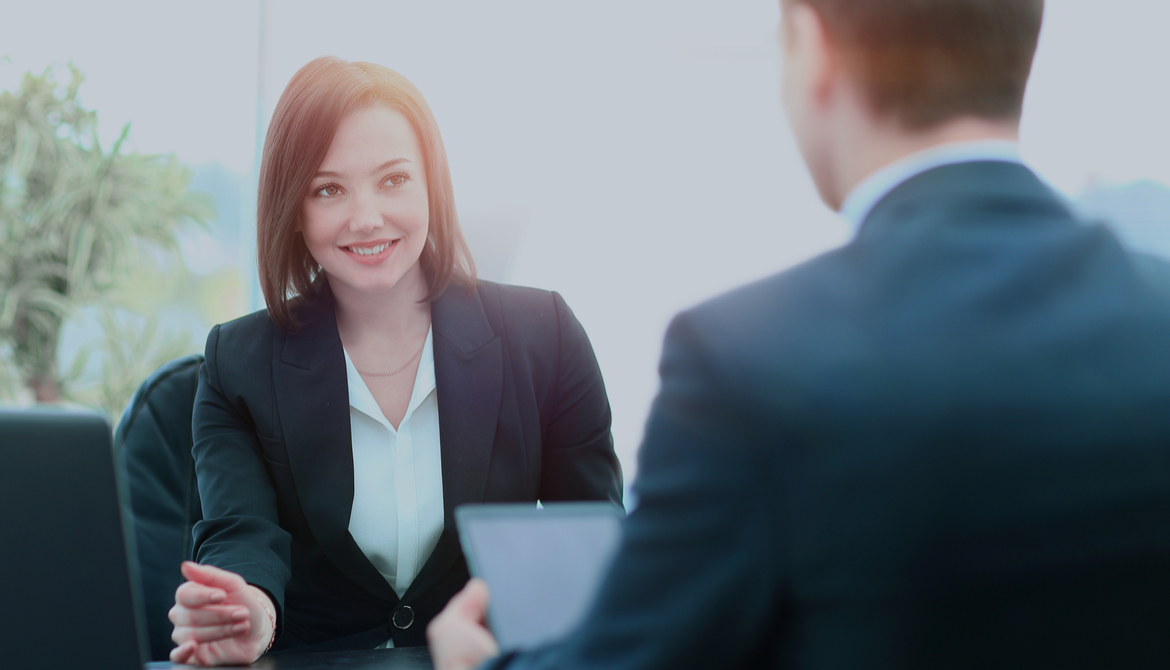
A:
(806, 42)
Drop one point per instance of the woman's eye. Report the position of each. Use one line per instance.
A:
(328, 191)
(396, 179)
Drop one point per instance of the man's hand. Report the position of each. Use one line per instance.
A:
(219, 618)
(458, 638)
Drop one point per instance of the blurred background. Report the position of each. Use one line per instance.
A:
(630, 154)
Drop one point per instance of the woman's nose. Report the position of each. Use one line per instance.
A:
(364, 214)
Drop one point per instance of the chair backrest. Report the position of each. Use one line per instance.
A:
(153, 447)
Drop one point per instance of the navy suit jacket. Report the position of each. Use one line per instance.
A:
(523, 416)
(945, 444)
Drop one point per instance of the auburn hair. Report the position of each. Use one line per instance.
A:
(318, 97)
(928, 61)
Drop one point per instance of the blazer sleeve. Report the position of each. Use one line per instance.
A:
(700, 578)
(578, 460)
(240, 530)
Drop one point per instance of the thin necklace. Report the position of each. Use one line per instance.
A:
(404, 365)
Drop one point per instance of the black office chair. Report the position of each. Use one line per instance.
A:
(153, 447)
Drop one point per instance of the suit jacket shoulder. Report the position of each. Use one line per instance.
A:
(1154, 272)
(538, 330)
(538, 327)
(238, 356)
(520, 313)
(759, 334)
(247, 339)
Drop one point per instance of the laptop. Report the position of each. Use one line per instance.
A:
(70, 589)
(544, 566)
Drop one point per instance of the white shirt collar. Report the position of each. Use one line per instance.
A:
(879, 184)
(361, 399)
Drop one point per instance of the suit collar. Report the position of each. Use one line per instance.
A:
(876, 186)
(460, 318)
(963, 190)
(469, 369)
(312, 397)
(317, 340)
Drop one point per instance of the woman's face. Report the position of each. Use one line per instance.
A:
(366, 215)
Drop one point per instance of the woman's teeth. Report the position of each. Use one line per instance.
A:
(369, 251)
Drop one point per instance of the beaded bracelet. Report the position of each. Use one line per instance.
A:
(271, 620)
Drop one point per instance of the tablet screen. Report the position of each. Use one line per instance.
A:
(543, 566)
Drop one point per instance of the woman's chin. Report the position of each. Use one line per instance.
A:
(380, 285)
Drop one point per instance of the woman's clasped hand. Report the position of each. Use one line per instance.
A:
(219, 618)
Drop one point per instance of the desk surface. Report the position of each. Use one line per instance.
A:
(406, 658)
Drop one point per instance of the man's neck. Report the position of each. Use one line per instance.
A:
(875, 146)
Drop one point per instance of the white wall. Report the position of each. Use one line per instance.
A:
(636, 147)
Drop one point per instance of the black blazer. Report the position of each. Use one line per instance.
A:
(945, 444)
(523, 416)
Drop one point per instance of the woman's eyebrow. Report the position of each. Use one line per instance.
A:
(388, 164)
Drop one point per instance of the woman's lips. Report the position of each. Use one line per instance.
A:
(383, 249)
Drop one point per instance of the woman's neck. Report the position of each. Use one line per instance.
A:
(384, 321)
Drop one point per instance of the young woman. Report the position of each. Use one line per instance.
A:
(336, 432)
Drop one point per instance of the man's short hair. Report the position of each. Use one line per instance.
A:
(923, 62)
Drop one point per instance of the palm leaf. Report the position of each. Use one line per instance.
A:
(73, 218)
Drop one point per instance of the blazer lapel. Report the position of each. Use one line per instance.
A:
(469, 368)
(312, 396)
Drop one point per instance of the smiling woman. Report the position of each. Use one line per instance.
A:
(316, 138)
(336, 432)
(365, 221)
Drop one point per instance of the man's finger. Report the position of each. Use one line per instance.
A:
(472, 601)
(458, 643)
(484, 643)
(210, 575)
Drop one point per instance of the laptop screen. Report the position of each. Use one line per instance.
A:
(69, 594)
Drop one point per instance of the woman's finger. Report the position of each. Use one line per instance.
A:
(212, 615)
(210, 575)
(183, 653)
(203, 634)
(194, 594)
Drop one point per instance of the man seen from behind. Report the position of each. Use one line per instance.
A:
(945, 444)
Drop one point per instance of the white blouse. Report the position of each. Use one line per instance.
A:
(397, 513)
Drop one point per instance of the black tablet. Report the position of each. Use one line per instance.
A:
(543, 565)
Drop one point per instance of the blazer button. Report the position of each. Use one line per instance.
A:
(403, 617)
